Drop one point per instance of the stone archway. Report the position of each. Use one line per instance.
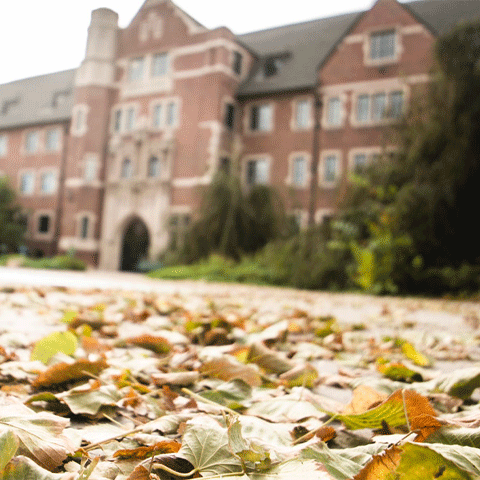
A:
(135, 243)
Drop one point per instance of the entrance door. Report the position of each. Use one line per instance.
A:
(135, 245)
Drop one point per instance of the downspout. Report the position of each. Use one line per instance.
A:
(317, 107)
(61, 191)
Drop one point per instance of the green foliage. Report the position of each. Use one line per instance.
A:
(11, 227)
(233, 221)
(56, 342)
(59, 262)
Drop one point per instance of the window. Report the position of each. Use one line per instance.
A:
(27, 183)
(359, 163)
(333, 112)
(257, 172)
(3, 145)
(178, 226)
(302, 114)
(330, 171)
(261, 118)
(157, 116)
(363, 108)
(299, 171)
(43, 224)
(31, 142)
(160, 65)
(379, 106)
(48, 182)
(127, 168)
(237, 62)
(117, 124)
(80, 119)
(84, 224)
(396, 105)
(90, 171)
(130, 119)
(229, 115)
(171, 114)
(154, 167)
(136, 70)
(52, 140)
(225, 165)
(382, 45)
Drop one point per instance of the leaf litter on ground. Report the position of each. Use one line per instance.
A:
(133, 386)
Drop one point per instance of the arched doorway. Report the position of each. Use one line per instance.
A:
(136, 241)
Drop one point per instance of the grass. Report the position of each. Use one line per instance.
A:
(59, 262)
(219, 269)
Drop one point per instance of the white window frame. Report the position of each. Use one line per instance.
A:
(134, 73)
(257, 158)
(380, 61)
(271, 118)
(27, 136)
(326, 120)
(322, 170)
(58, 144)
(37, 235)
(290, 180)
(78, 130)
(296, 126)
(92, 220)
(3, 145)
(167, 64)
(91, 162)
(21, 173)
(54, 173)
(369, 152)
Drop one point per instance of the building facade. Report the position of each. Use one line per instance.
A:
(110, 160)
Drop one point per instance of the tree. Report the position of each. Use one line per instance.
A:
(433, 181)
(234, 220)
(12, 229)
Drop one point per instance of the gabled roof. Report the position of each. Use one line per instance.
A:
(43, 99)
(309, 43)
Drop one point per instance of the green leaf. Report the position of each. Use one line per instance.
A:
(229, 394)
(56, 342)
(69, 316)
(419, 462)
(469, 437)
(22, 468)
(390, 412)
(343, 464)
(8, 447)
(89, 401)
(246, 450)
(206, 448)
(465, 458)
(459, 383)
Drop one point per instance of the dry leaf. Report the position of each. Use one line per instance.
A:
(227, 368)
(151, 342)
(141, 453)
(364, 398)
(66, 372)
(382, 466)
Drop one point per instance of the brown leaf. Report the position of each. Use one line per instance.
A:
(150, 342)
(364, 398)
(269, 359)
(181, 379)
(66, 372)
(326, 433)
(141, 453)
(421, 415)
(227, 368)
(382, 466)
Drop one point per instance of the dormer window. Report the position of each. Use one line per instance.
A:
(272, 66)
(382, 45)
(8, 104)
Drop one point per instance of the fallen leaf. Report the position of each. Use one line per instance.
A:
(181, 379)
(89, 399)
(414, 355)
(141, 453)
(22, 468)
(268, 359)
(382, 466)
(56, 342)
(8, 447)
(67, 372)
(156, 344)
(228, 368)
(363, 398)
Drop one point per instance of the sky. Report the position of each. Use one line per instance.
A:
(45, 36)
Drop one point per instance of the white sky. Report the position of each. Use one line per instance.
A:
(44, 36)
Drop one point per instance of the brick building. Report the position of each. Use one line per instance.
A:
(110, 159)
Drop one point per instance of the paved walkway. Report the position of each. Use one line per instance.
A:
(453, 316)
